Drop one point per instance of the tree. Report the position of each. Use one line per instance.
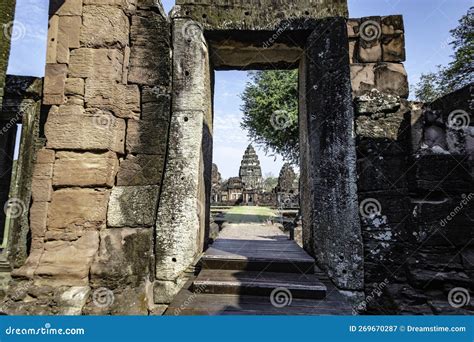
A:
(269, 182)
(459, 72)
(270, 111)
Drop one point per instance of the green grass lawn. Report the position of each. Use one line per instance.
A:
(249, 214)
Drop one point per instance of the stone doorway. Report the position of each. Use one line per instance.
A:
(319, 49)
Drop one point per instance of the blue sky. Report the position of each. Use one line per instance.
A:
(427, 25)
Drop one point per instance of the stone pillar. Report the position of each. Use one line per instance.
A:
(328, 183)
(179, 227)
(7, 9)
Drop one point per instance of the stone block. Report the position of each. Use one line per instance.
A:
(74, 86)
(54, 84)
(449, 173)
(362, 78)
(68, 262)
(85, 169)
(43, 171)
(392, 25)
(104, 26)
(353, 28)
(78, 208)
(133, 206)
(369, 53)
(124, 257)
(393, 48)
(74, 128)
(392, 78)
(45, 156)
(150, 55)
(68, 37)
(146, 137)
(41, 189)
(122, 100)
(96, 63)
(53, 31)
(141, 169)
(155, 106)
(379, 173)
(38, 219)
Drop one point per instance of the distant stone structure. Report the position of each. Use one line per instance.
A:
(247, 189)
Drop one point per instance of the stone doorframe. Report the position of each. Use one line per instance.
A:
(331, 226)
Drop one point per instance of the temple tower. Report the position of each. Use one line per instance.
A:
(250, 170)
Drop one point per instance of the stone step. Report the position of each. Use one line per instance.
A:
(235, 282)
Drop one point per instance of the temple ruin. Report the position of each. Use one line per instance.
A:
(114, 179)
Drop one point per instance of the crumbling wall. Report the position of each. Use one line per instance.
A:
(413, 170)
(97, 181)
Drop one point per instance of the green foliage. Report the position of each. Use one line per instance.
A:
(270, 182)
(460, 72)
(271, 112)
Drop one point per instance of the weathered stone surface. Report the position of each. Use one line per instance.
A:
(74, 86)
(448, 173)
(124, 4)
(85, 169)
(41, 189)
(393, 48)
(53, 31)
(392, 25)
(122, 100)
(73, 300)
(124, 258)
(146, 137)
(78, 208)
(178, 235)
(150, 55)
(96, 63)
(68, 37)
(392, 78)
(156, 106)
(38, 219)
(164, 291)
(72, 127)
(68, 262)
(113, 24)
(141, 169)
(385, 77)
(54, 83)
(133, 206)
(362, 78)
(45, 156)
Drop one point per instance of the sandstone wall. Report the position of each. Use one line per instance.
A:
(96, 182)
